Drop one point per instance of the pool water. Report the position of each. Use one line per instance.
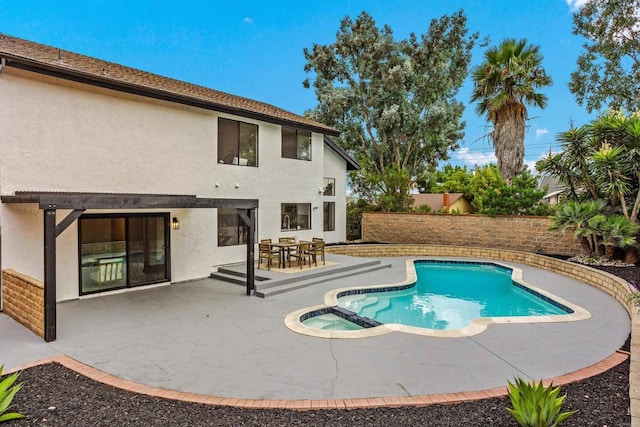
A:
(450, 296)
(331, 322)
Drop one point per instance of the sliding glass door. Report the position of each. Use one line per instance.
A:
(120, 251)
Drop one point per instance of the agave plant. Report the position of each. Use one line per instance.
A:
(535, 405)
(7, 392)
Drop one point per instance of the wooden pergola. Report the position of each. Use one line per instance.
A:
(50, 202)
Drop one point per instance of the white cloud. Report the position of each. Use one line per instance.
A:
(247, 20)
(541, 132)
(475, 158)
(576, 4)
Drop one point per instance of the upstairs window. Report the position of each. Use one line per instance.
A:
(329, 187)
(237, 143)
(296, 144)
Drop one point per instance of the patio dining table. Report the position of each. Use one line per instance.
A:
(284, 247)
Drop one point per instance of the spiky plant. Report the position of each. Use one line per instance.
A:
(535, 405)
(7, 393)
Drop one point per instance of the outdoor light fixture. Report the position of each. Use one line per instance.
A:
(175, 223)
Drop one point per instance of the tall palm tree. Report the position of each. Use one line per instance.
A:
(505, 84)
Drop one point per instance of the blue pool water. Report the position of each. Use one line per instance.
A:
(449, 296)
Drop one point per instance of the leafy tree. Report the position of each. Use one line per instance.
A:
(505, 84)
(393, 100)
(520, 197)
(601, 160)
(484, 178)
(354, 218)
(452, 179)
(609, 68)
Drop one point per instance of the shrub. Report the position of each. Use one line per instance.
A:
(535, 405)
(7, 392)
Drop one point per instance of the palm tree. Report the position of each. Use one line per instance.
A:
(505, 84)
(576, 216)
(614, 231)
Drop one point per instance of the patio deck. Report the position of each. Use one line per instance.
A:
(207, 337)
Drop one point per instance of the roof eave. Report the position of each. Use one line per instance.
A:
(352, 164)
(120, 86)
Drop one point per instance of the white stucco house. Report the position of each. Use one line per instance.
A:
(157, 178)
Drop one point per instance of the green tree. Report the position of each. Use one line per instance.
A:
(614, 231)
(392, 100)
(452, 179)
(520, 197)
(601, 160)
(575, 216)
(506, 82)
(484, 178)
(609, 67)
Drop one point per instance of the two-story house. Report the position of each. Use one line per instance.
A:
(106, 166)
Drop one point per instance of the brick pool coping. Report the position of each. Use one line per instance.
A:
(300, 404)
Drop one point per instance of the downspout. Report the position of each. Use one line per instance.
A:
(3, 63)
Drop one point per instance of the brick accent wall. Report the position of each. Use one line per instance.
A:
(23, 300)
(519, 233)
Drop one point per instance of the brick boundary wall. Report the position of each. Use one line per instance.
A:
(23, 300)
(513, 232)
(612, 285)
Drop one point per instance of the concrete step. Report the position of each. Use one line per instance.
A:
(307, 275)
(265, 292)
(232, 276)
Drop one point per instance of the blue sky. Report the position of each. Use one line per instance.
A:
(254, 49)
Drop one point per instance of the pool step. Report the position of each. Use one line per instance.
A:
(275, 287)
(373, 309)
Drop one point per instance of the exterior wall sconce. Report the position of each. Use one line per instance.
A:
(175, 223)
(320, 190)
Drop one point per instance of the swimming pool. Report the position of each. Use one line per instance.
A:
(439, 298)
(450, 295)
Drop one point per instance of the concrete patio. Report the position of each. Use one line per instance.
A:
(207, 337)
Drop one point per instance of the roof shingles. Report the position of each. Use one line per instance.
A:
(19, 51)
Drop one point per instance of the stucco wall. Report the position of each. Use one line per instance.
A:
(64, 136)
(522, 233)
(335, 167)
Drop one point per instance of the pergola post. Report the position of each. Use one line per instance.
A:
(250, 221)
(50, 273)
(250, 252)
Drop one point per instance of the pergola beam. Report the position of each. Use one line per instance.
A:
(49, 202)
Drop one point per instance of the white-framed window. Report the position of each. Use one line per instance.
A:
(237, 143)
(296, 144)
(295, 216)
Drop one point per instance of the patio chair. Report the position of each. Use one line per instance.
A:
(110, 270)
(289, 250)
(317, 248)
(302, 254)
(266, 252)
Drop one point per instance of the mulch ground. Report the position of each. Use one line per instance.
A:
(56, 396)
